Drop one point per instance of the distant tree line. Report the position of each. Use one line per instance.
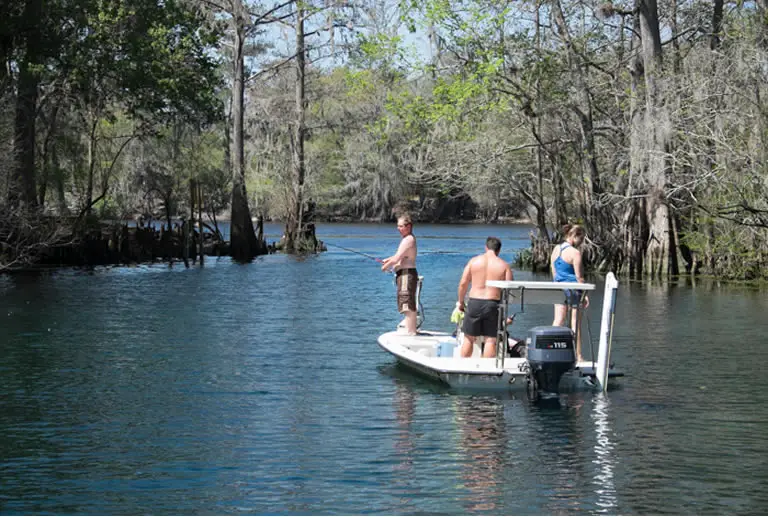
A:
(644, 120)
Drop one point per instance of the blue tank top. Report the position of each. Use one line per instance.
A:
(564, 271)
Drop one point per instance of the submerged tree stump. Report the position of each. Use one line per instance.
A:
(123, 244)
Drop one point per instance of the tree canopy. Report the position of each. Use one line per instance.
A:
(644, 120)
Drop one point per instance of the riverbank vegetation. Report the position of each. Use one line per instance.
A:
(645, 121)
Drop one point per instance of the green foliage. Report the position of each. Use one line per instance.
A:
(452, 97)
(510, 114)
(415, 112)
(360, 85)
(524, 260)
(107, 208)
(380, 50)
(151, 59)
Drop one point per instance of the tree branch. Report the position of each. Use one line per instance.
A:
(268, 15)
(272, 68)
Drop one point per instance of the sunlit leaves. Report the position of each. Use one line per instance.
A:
(152, 59)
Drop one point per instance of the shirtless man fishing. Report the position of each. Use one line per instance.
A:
(482, 310)
(404, 264)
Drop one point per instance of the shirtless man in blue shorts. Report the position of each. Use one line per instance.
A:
(481, 316)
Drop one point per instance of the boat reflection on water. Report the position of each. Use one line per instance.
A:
(457, 456)
(501, 454)
(483, 444)
(556, 433)
(404, 412)
(575, 454)
(406, 485)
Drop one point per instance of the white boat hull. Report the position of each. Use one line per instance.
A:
(426, 354)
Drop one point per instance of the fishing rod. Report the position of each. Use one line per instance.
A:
(356, 252)
(378, 259)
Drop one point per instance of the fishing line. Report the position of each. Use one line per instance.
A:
(379, 260)
(354, 251)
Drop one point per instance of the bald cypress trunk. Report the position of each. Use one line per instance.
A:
(244, 245)
(22, 189)
(293, 231)
(650, 242)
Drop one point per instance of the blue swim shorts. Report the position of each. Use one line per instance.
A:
(572, 297)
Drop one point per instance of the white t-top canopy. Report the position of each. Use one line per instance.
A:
(536, 293)
(547, 286)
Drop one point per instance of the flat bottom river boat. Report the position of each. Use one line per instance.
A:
(544, 363)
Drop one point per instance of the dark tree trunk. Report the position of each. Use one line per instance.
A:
(22, 189)
(167, 200)
(541, 221)
(294, 227)
(61, 201)
(192, 204)
(23, 186)
(710, 158)
(561, 208)
(649, 157)
(717, 25)
(677, 59)
(6, 51)
(634, 215)
(48, 156)
(201, 241)
(583, 109)
(762, 23)
(244, 245)
(91, 166)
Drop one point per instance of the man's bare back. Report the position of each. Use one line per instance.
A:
(483, 268)
(481, 313)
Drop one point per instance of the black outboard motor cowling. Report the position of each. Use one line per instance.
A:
(550, 354)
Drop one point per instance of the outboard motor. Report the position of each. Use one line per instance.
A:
(550, 355)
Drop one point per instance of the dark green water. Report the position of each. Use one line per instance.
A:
(260, 389)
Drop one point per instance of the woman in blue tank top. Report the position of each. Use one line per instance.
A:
(567, 267)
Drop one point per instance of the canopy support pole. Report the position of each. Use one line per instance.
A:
(606, 331)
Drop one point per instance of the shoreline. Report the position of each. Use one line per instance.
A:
(501, 221)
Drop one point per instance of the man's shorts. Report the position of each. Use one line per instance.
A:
(406, 289)
(572, 297)
(481, 318)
